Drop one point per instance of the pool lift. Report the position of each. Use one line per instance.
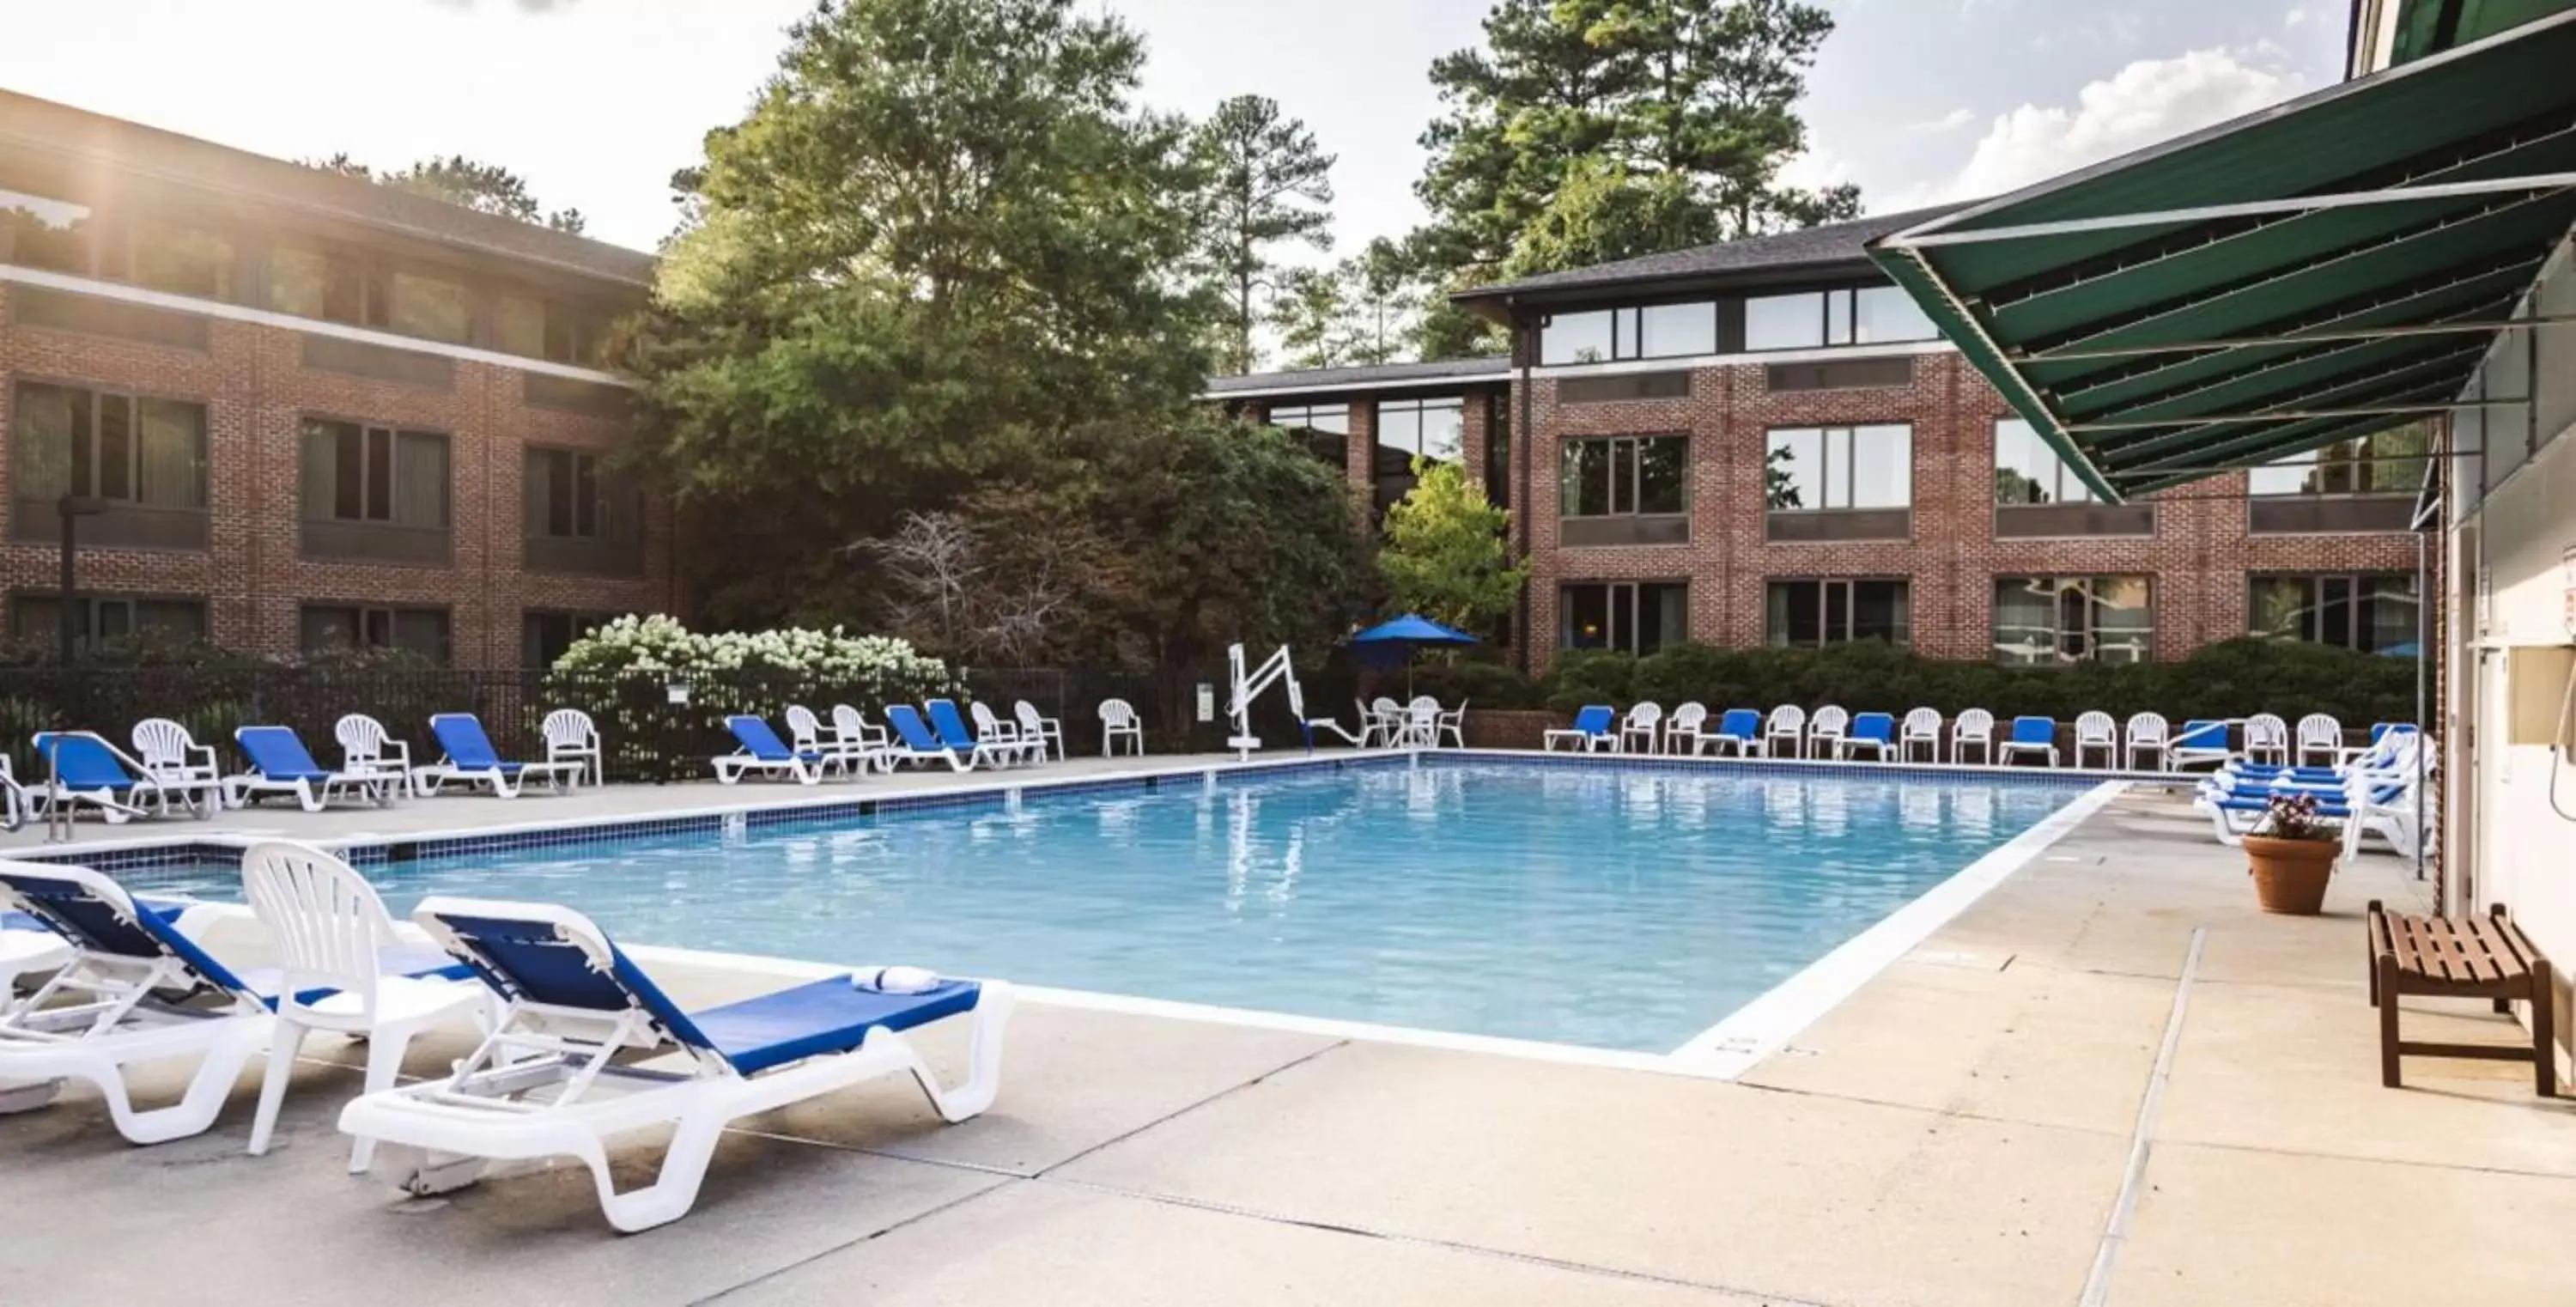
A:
(1275, 669)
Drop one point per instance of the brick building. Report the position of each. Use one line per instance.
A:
(302, 410)
(1765, 442)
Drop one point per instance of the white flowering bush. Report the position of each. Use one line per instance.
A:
(660, 645)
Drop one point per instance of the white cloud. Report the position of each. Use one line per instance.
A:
(2148, 101)
(1948, 122)
(1814, 169)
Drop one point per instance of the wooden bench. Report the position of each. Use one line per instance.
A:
(2471, 957)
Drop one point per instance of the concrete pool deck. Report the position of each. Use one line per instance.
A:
(1960, 1131)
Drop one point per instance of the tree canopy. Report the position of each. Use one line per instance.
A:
(1446, 555)
(1263, 184)
(482, 187)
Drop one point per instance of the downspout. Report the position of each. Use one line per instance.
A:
(1522, 438)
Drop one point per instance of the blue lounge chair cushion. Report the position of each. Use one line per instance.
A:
(761, 742)
(460, 735)
(82, 761)
(1740, 724)
(1595, 719)
(827, 1016)
(1876, 726)
(951, 726)
(278, 753)
(2034, 730)
(907, 724)
(89, 923)
(2202, 734)
(2243, 803)
(165, 909)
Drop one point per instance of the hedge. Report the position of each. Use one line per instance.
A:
(2237, 678)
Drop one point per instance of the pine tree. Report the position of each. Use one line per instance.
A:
(1265, 184)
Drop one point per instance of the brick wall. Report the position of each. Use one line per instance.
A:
(257, 392)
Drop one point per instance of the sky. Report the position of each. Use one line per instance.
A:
(596, 102)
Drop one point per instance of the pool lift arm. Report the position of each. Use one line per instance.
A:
(1277, 668)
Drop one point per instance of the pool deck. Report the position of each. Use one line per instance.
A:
(1963, 1130)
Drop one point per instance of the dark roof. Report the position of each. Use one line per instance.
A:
(1839, 243)
(1372, 376)
(186, 161)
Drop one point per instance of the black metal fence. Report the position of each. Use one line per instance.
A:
(650, 728)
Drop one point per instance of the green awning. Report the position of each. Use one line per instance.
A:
(2302, 275)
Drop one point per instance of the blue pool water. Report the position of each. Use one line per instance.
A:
(1593, 906)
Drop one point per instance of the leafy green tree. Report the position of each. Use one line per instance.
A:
(1598, 129)
(1266, 184)
(1447, 555)
(468, 183)
(1312, 308)
(1384, 298)
(937, 256)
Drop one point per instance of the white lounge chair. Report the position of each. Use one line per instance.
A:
(2202, 740)
(17, 806)
(2267, 739)
(1739, 730)
(1874, 731)
(1595, 729)
(2318, 733)
(471, 760)
(1644, 723)
(1788, 725)
(1683, 733)
(81, 767)
(136, 989)
(2147, 733)
(173, 757)
(1975, 727)
(1825, 732)
(280, 764)
(1118, 722)
(342, 969)
(2030, 734)
(572, 737)
(368, 749)
(1922, 726)
(764, 753)
(2097, 732)
(1048, 731)
(547, 1082)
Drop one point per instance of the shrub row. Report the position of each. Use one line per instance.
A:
(2237, 678)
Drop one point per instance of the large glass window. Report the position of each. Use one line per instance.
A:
(1638, 617)
(1650, 331)
(569, 496)
(1408, 429)
(357, 473)
(2389, 462)
(519, 325)
(543, 636)
(2052, 620)
(109, 445)
(430, 307)
(1840, 467)
(183, 260)
(315, 284)
(2027, 471)
(330, 627)
(2371, 612)
(1865, 315)
(1834, 610)
(37, 618)
(37, 232)
(1326, 428)
(1625, 475)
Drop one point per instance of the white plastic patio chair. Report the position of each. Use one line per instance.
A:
(1645, 721)
(330, 932)
(1683, 733)
(1004, 735)
(2097, 731)
(852, 733)
(1975, 726)
(571, 736)
(1452, 726)
(2267, 739)
(1036, 726)
(2319, 733)
(2148, 733)
(1421, 728)
(368, 749)
(1922, 726)
(805, 735)
(1389, 716)
(1788, 722)
(174, 758)
(1119, 722)
(1825, 732)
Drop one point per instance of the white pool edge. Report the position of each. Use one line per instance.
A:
(1764, 1026)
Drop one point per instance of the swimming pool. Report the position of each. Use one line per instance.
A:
(1598, 905)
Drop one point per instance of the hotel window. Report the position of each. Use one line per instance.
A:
(430, 307)
(1865, 315)
(36, 618)
(2043, 621)
(1410, 429)
(1624, 490)
(2370, 612)
(312, 283)
(1836, 611)
(519, 325)
(2387, 462)
(182, 260)
(1649, 331)
(2027, 471)
(355, 473)
(1326, 428)
(543, 636)
(575, 335)
(1637, 617)
(38, 232)
(330, 627)
(132, 449)
(1813, 468)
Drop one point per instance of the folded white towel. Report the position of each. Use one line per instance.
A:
(895, 980)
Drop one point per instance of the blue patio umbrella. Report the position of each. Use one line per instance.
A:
(2410, 649)
(1392, 642)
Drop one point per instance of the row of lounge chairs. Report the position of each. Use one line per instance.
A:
(2375, 793)
(2145, 742)
(851, 746)
(564, 1015)
(168, 771)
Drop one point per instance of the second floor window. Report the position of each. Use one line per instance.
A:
(2387, 462)
(2027, 471)
(571, 497)
(1624, 476)
(131, 449)
(1862, 315)
(1648, 331)
(357, 473)
(1840, 468)
(37, 231)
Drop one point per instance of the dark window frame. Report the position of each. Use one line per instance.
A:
(1636, 592)
(1847, 589)
(2081, 640)
(2361, 591)
(131, 602)
(365, 482)
(135, 400)
(369, 632)
(1628, 335)
(1636, 478)
(1837, 319)
(1850, 433)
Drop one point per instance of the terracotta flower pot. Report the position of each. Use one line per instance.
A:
(2290, 875)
